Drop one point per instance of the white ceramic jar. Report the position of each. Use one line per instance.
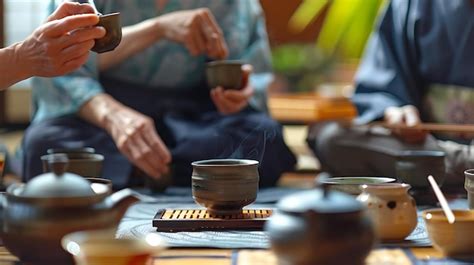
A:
(392, 209)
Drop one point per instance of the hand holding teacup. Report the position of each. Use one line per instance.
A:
(231, 89)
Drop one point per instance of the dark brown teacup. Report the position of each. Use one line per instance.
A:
(225, 73)
(225, 186)
(111, 23)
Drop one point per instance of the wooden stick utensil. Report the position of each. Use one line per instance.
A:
(442, 200)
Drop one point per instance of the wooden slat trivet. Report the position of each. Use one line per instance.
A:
(176, 220)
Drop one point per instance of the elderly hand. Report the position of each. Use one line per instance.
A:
(232, 101)
(407, 115)
(197, 30)
(62, 44)
(136, 138)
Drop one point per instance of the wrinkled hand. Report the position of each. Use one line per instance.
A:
(62, 44)
(407, 115)
(232, 101)
(136, 138)
(197, 30)
(67, 9)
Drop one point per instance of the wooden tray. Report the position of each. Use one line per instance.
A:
(177, 220)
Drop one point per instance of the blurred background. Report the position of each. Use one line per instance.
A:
(316, 45)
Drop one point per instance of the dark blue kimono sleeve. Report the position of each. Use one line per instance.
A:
(387, 75)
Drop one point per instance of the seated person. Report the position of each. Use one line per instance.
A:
(146, 105)
(52, 49)
(417, 67)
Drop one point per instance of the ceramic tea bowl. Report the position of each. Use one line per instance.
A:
(469, 186)
(98, 247)
(113, 37)
(454, 240)
(227, 74)
(225, 186)
(352, 185)
(82, 162)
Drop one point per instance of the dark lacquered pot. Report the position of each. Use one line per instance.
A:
(313, 228)
(225, 186)
(35, 216)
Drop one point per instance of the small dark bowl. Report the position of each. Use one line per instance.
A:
(227, 74)
(82, 164)
(113, 37)
(225, 186)
(413, 167)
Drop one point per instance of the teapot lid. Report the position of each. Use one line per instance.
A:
(320, 200)
(58, 183)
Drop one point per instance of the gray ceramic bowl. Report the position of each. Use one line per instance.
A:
(225, 186)
(227, 74)
(352, 185)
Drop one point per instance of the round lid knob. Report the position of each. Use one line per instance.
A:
(320, 200)
(58, 183)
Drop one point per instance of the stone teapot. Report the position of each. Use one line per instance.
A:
(320, 226)
(35, 216)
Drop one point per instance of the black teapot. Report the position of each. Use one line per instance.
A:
(35, 216)
(320, 226)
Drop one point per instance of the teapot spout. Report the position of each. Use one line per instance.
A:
(119, 202)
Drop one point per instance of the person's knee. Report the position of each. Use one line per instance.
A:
(266, 126)
(324, 138)
(37, 140)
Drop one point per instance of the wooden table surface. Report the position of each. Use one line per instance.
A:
(308, 108)
(266, 257)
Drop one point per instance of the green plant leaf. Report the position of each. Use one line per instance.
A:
(305, 14)
(347, 25)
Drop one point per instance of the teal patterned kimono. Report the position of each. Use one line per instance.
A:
(167, 84)
(165, 65)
